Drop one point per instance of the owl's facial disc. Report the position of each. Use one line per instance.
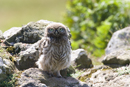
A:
(59, 32)
(56, 30)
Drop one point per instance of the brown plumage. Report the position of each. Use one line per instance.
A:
(55, 49)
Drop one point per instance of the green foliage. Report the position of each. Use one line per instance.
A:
(92, 22)
(9, 82)
(77, 73)
(11, 49)
(123, 70)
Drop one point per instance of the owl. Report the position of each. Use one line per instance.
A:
(54, 49)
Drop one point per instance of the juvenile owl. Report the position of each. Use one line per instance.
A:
(55, 49)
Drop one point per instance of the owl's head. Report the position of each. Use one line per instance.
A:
(57, 30)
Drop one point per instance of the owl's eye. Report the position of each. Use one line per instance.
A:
(51, 30)
(61, 30)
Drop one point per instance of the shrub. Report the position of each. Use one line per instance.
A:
(92, 22)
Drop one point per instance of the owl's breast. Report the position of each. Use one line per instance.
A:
(60, 52)
(57, 56)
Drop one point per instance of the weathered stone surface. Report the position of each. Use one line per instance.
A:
(118, 49)
(30, 33)
(21, 47)
(12, 31)
(119, 40)
(11, 34)
(117, 58)
(107, 77)
(28, 57)
(6, 67)
(33, 84)
(80, 59)
(39, 77)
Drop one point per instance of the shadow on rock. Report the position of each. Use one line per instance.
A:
(38, 78)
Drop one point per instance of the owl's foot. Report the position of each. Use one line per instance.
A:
(57, 74)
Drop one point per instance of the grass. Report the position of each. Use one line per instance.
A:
(15, 13)
(123, 70)
(9, 82)
(77, 73)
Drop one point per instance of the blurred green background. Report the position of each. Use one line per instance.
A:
(92, 22)
(15, 13)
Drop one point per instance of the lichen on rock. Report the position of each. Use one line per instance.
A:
(6, 68)
(30, 33)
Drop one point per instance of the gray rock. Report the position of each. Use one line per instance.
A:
(13, 31)
(121, 81)
(117, 58)
(107, 77)
(33, 84)
(119, 40)
(6, 67)
(21, 47)
(28, 57)
(34, 76)
(80, 59)
(11, 34)
(30, 33)
(118, 49)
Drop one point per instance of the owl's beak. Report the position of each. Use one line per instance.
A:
(56, 33)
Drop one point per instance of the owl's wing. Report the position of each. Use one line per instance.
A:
(43, 43)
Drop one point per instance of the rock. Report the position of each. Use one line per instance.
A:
(11, 32)
(34, 76)
(30, 33)
(21, 47)
(118, 49)
(120, 40)
(80, 59)
(6, 67)
(107, 77)
(33, 84)
(28, 57)
(121, 81)
(89, 72)
(117, 58)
